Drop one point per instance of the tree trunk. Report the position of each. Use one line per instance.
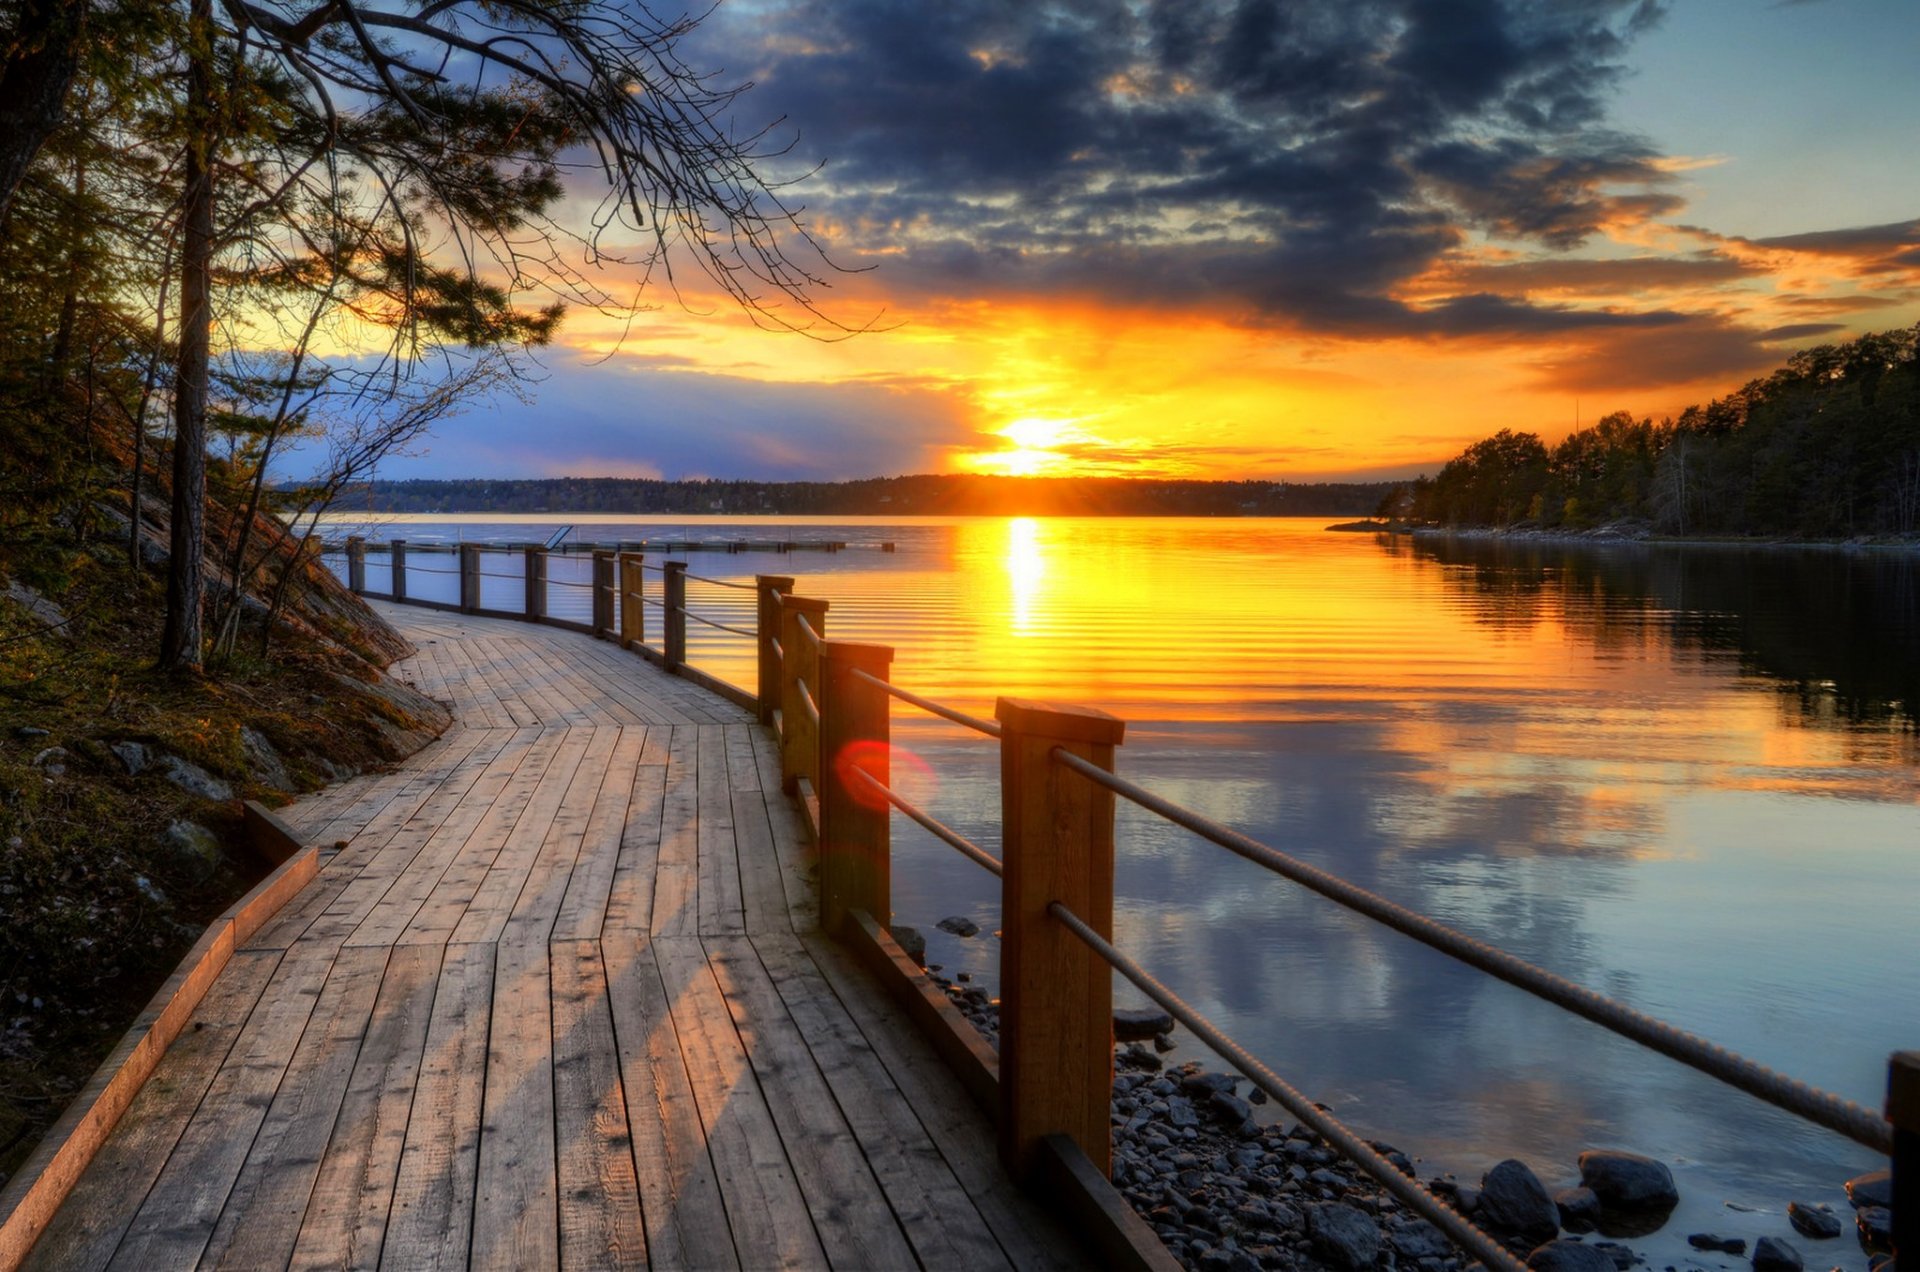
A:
(186, 568)
(33, 85)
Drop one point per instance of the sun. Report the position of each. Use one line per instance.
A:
(1034, 449)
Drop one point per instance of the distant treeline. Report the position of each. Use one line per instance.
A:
(1826, 447)
(881, 496)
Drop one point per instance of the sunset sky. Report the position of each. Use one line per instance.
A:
(1230, 238)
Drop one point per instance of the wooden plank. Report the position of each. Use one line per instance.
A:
(932, 1208)
(509, 775)
(432, 1215)
(499, 875)
(630, 893)
(763, 898)
(346, 1219)
(720, 907)
(686, 1219)
(516, 1215)
(677, 875)
(583, 909)
(600, 1216)
(460, 858)
(792, 845)
(545, 879)
(1029, 1236)
(260, 1222)
(850, 1212)
(769, 1218)
(172, 1225)
(87, 1228)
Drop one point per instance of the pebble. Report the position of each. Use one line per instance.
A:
(1872, 1189)
(28, 732)
(1514, 1201)
(1712, 1241)
(1876, 1227)
(1344, 1235)
(1770, 1254)
(1579, 1209)
(1563, 1255)
(1818, 1222)
(1628, 1181)
(1137, 1024)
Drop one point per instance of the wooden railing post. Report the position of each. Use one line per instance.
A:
(1056, 995)
(633, 607)
(469, 577)
(399, 588)
(856, 866)
(769, 588)
(1903, 1110)
(799, 743)
(603, 595)
(674, 638)
(536, 582)
(356, 565)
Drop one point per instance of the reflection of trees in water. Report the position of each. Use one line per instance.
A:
(1837, 630)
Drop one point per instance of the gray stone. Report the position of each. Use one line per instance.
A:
(1419, 1239)
(133, 756)
(28, 732)
(1201, 1085)
(1623, 1256)
(50, 615)
(268, 769)
(1569, 1256)
(1513, 1200)
(1876, 1227)
(1579, 1209)
(1344, 1236)
(958, 925)
(197, 848)
(1137, 1024)
(1628, 1181)
(911, 941)
(1230, 1109)
(1809, 1220)
(1139, 1057)
(1771, 1254)
(1180, 1112)
(194, 780)
(52, 761)
(1873, 1189)
(1715, 1242)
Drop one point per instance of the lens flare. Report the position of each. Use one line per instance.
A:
(894, 767)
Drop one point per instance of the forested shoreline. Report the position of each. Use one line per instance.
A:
(920, 495)
(1827, 447)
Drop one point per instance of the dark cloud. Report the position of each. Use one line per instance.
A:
(1799, 331)
(1693, 350)
(1300, 161)
(1872, 249)
(1606, 277)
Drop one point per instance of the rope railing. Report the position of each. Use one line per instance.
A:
(1404, 1189)
(698, 578)
(938, 829)
(978, 725)
(725, 627)
(1842, 1116)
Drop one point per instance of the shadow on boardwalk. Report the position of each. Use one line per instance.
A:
(556, 999)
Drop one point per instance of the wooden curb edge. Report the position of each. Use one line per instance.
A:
(44, 1180)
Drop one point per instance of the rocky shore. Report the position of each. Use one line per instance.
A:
(1228, 1192)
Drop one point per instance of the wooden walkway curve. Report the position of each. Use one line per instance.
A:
(556, 999)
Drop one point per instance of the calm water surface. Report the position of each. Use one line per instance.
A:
(1686, 777)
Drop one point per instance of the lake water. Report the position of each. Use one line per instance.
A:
(1687, 777)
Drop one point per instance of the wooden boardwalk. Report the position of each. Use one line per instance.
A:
(557, 1000)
